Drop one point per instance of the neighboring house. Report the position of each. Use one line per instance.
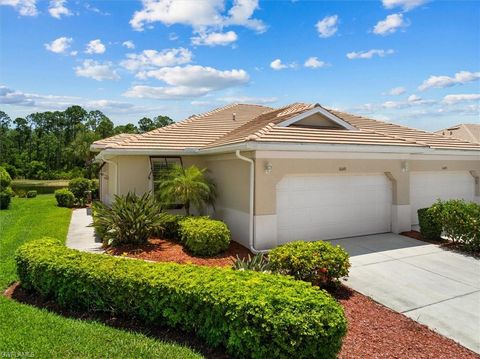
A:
(300, 171)
(465, 131)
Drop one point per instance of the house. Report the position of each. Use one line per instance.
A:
(464, 131)
(300, 171)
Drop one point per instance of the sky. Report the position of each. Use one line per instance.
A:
(412, 62)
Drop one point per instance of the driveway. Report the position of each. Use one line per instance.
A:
(435, 287)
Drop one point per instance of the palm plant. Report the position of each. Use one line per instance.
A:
(189, 186)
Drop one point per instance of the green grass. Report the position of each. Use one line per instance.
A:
(26, 329)
(41, 186)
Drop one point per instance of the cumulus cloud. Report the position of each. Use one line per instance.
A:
(12, 97)
(328, 26)
(369, 54)
(396, 91)
(414, 98)
(279, 65)
(57, 9)
(23, 7)
(314, 63)
(95, 47)
(60, 45)
(128, 44)
(151, 59)
(390, 25)
(459, 78)
(406, 5)
(453, 99)
(198, 14)
(215, 38)
(96, 70)
(188, 81)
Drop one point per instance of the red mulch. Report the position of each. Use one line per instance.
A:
(375, 331)
(161, 250)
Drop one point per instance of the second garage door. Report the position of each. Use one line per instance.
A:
(332, 206)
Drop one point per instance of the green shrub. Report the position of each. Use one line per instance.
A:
(10, 191)
(21, 193)
(430, 228)
(31, 194)
(251, 314)
(64, 197)
(170, 226)
(317, 262)
(79, 187)
(204, 236)
(95, 188)
(5, 179)
(460, 222)
(5, 199)
(259, 263)
(131, 219)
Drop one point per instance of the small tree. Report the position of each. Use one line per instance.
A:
(189, 186)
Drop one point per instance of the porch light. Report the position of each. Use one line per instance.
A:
(268, 168)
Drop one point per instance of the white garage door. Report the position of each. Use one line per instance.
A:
(332, 206)
(427, 187)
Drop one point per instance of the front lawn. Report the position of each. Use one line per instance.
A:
(31, 331)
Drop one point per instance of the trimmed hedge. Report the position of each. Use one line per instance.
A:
(251, 314)
(5, 199)
(204, 236)
(64, 198)
(31, 194)
(430, 228)
(317, 262)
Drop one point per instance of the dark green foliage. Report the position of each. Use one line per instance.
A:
(5, 179)
(147, 124)
(31, 194)
(317, 262)
(170, 226)
(204, 236)
(79, 187)
(460, 222)
(65, 198)
(131, 219)
(259, 263)
(5, 199)
(95, 187)
(251, 314)
(430, 229)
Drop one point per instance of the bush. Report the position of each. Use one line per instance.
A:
(5, 179)
(5, 199)
(430, 228)
(204, 236)
(31, 194)
(131, 219)
(317, 262)
(21, 193)
(251, 314)
(170, 226)
(460, 222)
(79, 187)
(259, 263)
(64, 198)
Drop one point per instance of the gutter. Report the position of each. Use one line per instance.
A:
(251, 237)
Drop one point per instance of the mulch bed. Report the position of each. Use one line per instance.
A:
(161, 250)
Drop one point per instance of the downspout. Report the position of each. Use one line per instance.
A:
(251, 239)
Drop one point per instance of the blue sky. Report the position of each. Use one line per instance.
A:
(414, 62)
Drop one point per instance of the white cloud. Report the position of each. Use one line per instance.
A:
(453, 99)
(369, 54)
(397, 91)
(215, 38)
(24, 7)
(406, 5)
(188, 81)
(314, 63)
(198, 14)
(459, 78)
(95, 47)
(414, 98)
(12, 97)
(279, 65)
(128, 44)
(151, 59)
(60, 45)
(96, 70)
(390, 25)
(57, 9)
(328, 26)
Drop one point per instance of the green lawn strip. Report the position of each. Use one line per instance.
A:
(26, 329)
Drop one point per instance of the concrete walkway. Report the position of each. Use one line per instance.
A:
(435, 287)
(80, 236)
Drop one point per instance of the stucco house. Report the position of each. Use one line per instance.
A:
(465, 131)
(300, 171)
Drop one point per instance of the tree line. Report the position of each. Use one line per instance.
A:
(56, 145)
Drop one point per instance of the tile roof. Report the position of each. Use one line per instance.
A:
(464, 131)
(261, 124)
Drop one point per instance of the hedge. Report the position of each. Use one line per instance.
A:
(31, 194)
(203, 236)
(5, 199)
(430, 228)
(251, 314)
(64, 198)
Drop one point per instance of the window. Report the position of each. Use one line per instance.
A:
(159, 167)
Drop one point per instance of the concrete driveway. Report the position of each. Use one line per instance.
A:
(435, 287)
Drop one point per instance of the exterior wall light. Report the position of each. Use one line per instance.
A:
(341, 169)
(444, 168)
(268, 168)
(404, 166)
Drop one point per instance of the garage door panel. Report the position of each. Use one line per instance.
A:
(332, 206)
